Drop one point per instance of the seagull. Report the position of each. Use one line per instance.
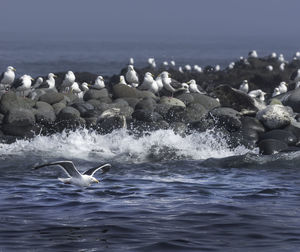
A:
(297, 55)
(217, 68)
(99, 83)
(50, 82)
(180, 69)
(75, 88)
(193, 87)
(151, 62)
(169, 84)
(165, 63)
(188, 68)
(269, 68)
(258, 93)
(8, 77)
(172, 63)
(252, 54)
(276, 92)
(281, 67)
(131, 76)
(122, 80)
(23, 83)
(131, 61)
(244, 87)
(231, 65)
(84, 179)
(283, 87)
(149, 83)
(84, 88)
(273, 55)
(281, 58)
(68, 81)
(159, 81)
(38, 83)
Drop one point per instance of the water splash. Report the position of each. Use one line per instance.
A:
(125, 147)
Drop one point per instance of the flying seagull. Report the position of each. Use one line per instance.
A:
(84, 179)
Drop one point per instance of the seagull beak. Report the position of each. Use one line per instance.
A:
(55, 76)
(170, 75)
(14, 69)
(96, 180)
(32, 79)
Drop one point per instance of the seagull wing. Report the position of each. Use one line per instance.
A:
(1, 77)
(293, 76)
(67, 166)
(17, 83)
(104, 169)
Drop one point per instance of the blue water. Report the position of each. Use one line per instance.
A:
(165, 192)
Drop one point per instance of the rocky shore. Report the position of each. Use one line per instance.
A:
(271, 124)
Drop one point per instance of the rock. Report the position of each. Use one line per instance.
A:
(171, 101)
(178, 128)
(146, 104)
(51, 97)
(111, 120)
(19, 122)
(186, 98)
(252, 123)
(226, 117)
(121, 102)
(122, 91)
(96, 94)
(70, 98)
(68, 114)
(44, 112)
(91, 122)
(235, 99)
(85, 109)
(58, 107)
(275, 116)
(207, 102)
(1, 119)
(293, 100)
(281, 135)
(132, 101)
(10, 101)
(146, 116)
(162, 109)
(206, 123)
(98, 104)
(175, 114)
(194, 112)
(271, 146)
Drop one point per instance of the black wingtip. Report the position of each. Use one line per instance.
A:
(105, 168)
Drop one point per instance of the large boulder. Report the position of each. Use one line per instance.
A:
(51, 97)
(44, 112)
(206, 101)
(58, 107)
(186, 98)
(146, 104)
(293, 100)
(236, 99)
(121, 91)
(172, 101)
(10, 101)
(68, 114)
(101, 95)
(228, 118)
(281, 135)
(275, 116)
(146, 116)
(85, 109)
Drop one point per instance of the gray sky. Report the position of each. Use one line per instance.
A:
(133, 18)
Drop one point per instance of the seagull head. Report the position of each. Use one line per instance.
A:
(10, 68)
(93, 180)
(130, 68)
(52, 75)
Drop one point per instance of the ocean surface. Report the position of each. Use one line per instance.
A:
(164, 192)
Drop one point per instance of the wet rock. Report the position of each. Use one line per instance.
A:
(186, 98)
(132, 101)
(1, 119)
(44, 112)
(174, 102)
(51, 97)
(85, 109)
(271, 146)
(69, 114)
(146, 116)
(293, 100)
(94, 94)
(281, 135)
(162, 109)
(122, 91)
(70, 98)
(146, 104)
(111, 120)
(275, 116)
(226, 117)
(179, 128)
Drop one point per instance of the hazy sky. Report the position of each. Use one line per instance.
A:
(133, 18)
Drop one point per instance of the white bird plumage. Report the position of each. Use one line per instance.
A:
(68, 81)
(244, 87)
(131, 76)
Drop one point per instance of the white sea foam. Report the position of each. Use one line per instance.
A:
(125, 147)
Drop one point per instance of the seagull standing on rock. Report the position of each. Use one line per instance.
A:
(283, 87)
(244, 87)
(193, 87)
(39, 81)
(258, 93)
(23, 84)
(131, 76)
(68, 81)
(122, 80)
(99, 83)
(7, 78)
(276, 92)
(295, 76)
(50, 82)
(169, 84)
(149, 83)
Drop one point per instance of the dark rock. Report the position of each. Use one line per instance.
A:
(271, 146)
(91, 121)
(69, 114)
(206, 101)
(281, 135)
(202, 125)
(109, 124)
(132, 101)
(121, 102)
(58, 107)
(252, 123)
(1, 119)
(235, 99)
(85, 109)
(122, 91)
(293, 100)
(146, 104)
(51, 97)
(162, 109)
(44, 112)
(186, 98)
(146, 116)
(226, 117)
(70, 98)
(179, 128)
(175, 114)
(174, 102)
(95, 94)
(10, 101)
